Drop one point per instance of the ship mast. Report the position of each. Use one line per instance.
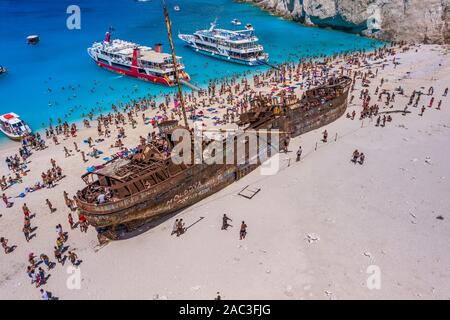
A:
(175, 63)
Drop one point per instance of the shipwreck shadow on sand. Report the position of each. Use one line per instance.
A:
(124, 234)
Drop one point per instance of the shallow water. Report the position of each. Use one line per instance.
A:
(37, 74)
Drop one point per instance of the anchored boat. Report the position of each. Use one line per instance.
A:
(236, 22)
(141, 62)
(239, 46)
(33, 39)
(13, 127)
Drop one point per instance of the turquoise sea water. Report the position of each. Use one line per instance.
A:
(37, 74)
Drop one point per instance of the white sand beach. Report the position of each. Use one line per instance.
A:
(313, 229)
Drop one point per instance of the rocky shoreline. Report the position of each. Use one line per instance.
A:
(426, 21)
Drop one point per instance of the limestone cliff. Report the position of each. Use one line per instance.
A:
(426, 21)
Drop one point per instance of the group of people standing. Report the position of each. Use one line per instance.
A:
(179, 227)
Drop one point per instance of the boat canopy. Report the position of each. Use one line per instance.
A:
(10, 118)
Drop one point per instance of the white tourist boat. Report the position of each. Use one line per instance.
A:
(13, 127)
(239, 46)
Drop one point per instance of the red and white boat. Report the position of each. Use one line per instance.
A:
(137, 61)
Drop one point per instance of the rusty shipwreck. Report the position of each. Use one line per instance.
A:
(149, 184)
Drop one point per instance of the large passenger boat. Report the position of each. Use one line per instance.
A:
(141, 62)
(239, 46)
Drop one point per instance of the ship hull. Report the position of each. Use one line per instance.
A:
(16, 137)
(200, 181)
(217, 55)
(12, 137)
(134, 74)
(252, 63)
(189, 40)
(176, 195)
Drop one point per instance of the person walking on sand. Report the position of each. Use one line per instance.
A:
(225, 220)
(67, 153)
(26, 232)
(299, 153)
(70, 219)
(44, 295)
(26, 211)
(175, 227)
(67, 200)
(59, 243)
(50, 206)
(243, 231)
(5, 246)
(32, 274)
(46, 260)
(180, 227)
(73, 257)
(325, 136)
(356, 155)
(31, 259)
(362, 157)
(41, 280)
(422, 111)
(58, 255)
(6, 201)
(83, 156)
(286, 144)
(60, 233)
